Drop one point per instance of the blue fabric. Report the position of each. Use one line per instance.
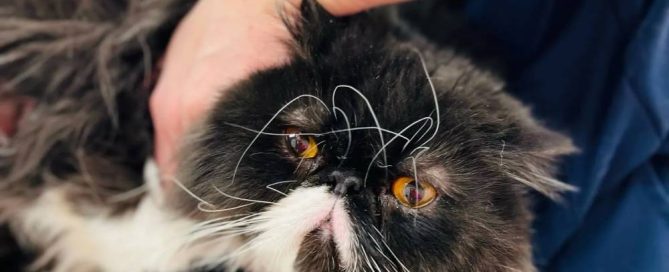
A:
(597, 70)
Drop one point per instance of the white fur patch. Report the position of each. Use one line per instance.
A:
(283, 226)
(148, 239)
(151, 238)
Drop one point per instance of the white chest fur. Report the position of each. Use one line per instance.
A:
(146, 239)
(152, 238)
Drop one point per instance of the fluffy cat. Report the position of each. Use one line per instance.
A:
(371, 150)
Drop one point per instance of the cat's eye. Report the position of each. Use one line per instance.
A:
(413, 194)
(303, 146)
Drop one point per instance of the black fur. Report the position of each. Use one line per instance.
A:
(485, 141)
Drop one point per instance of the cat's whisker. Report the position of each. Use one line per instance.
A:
(427, 130)
(421, 148)
(376, 264)
(415, 172)
(366, 256)
(242, 199)
(417, 131)
(282, 182)
(269, 186)
(380, 250)
(434, 95)
(221, 230)
(383, 148)
(383, 240)
(202, 209)
(373, 128)
(298, 165)
(220, 220)
(317, 134)
(371, 111)
(189, 192)
(303, 158)
(241, 157)
(348, 127)
(128, 194)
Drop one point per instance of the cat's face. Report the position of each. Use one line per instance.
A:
(357, 157)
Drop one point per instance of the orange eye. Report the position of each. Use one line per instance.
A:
(304, 146)
(413, 194)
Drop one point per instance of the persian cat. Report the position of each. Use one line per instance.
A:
(372, 149)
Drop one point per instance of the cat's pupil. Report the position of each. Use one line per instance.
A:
(413, 194)
(298, 143)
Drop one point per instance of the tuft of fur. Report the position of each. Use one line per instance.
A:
(88, 66)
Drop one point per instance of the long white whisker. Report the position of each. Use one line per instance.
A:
(242, 199)
(383, 240)
(415, 180)
(348, 127)
(434, 95)
(199, 207)
(269, 186)
(220, 220)
(299, 164)
(427, 130)
(419, 130)
(221, 224)
(421, 148)
(183, 187)
(371, 111)
(369, 167)
(317, 134)
(379, 249)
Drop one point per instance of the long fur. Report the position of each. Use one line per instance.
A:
(432, 112)
(88, 66)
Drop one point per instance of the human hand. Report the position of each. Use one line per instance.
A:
(217, 44)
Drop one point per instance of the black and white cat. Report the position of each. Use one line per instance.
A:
(371, 150)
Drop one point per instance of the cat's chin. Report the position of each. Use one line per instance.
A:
(318, 251)
(308, 225)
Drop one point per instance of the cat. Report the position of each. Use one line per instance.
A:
(371, 150)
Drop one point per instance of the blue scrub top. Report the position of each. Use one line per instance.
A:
(597, 70)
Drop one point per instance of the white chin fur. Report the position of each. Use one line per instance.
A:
(283, 227)
(152, 238)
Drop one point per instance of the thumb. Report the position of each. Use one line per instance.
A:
(348, 7)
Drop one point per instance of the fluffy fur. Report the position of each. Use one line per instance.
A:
(382, 102)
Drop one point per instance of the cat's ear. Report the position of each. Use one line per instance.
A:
(534, 160)
(309, 25)
(541, 140)
(316, 33)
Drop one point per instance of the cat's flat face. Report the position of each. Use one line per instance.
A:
(357, 156)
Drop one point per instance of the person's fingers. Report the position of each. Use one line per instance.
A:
(348, 7)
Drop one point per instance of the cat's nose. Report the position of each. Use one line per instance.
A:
(344, 182)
